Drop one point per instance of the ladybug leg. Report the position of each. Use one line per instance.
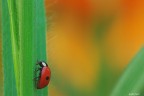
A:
(37, 62)
(36, 78)
(38, 69)
(35, 81)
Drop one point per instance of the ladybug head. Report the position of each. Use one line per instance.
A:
(43, 64)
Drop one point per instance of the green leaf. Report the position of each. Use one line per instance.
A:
(14, 25)
(32, 44)
(24, 42)
(40, 37)
(26, 33)
(9, 76)
(1, 70)
(132, 80)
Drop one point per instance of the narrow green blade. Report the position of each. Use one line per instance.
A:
(24, 43)
(132, 81)
(9, 76)
(26, 24)
(14, 26)
(40, 37)
(1, 73)
(32, 44)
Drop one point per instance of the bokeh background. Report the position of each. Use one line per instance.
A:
(90, 43)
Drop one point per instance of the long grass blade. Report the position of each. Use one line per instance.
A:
(9, 76)
(40, 37)
(1, 73)
(14, 25)
(24, 43)
(26, 23)
(32, 44)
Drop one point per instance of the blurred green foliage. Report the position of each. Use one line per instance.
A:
(131, 83)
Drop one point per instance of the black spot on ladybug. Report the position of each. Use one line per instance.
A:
(47, 78)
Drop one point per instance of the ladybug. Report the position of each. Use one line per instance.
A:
(44, 75)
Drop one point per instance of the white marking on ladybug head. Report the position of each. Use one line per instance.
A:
(44, 64)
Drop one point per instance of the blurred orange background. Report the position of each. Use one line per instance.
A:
(76, 51)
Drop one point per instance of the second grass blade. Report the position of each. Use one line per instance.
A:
(32, 44)
(40, 37)
(26, 33)
(132, 81)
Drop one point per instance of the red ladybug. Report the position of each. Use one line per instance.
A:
(44, 75)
